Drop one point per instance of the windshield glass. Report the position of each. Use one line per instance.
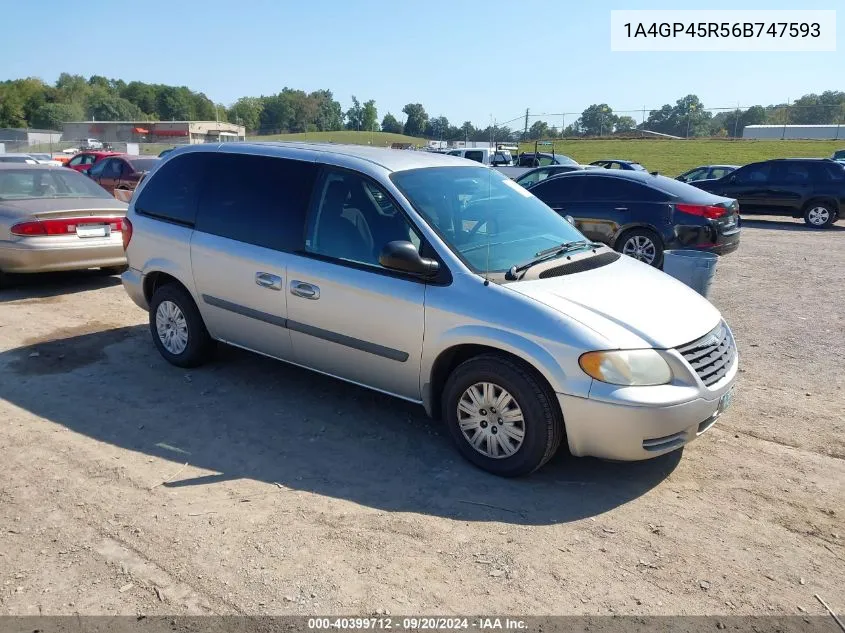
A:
(490, 221)
(564, 160)
(28, 184)
(637, 167)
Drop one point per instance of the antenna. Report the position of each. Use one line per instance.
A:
(487, 231)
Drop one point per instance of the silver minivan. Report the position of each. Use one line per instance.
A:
(432, 279)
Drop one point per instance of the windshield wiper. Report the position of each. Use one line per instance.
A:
(547, 254)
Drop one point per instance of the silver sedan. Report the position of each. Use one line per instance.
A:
(57, 219)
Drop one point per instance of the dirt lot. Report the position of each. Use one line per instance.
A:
(247, 486)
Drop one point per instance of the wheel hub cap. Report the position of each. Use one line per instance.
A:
(491, 420)
(818, 215)
(641, 248)
(171, 327)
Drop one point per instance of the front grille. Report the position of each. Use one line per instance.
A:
(711, 356)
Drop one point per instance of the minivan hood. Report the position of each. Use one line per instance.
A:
(631, 304)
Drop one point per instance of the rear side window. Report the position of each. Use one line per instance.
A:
(559, 189)
(258, 200)
(754, 174)
(476, 156)
(172, 192)
(610, 188)
(836, 172)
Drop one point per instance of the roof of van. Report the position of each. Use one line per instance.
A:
(392, 159)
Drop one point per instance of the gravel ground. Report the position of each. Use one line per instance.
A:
(248, 486)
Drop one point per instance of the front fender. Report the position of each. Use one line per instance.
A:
(556, 361)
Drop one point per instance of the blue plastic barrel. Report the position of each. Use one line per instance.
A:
(694, 268)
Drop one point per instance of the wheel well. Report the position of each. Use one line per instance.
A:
(634, 227)
(829, 201)
(155, 280)
(449, 359)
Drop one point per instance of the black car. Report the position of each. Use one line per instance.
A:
(537, 174)
(541, 159)
(809, 188)
(706, 172)
(640, 214)
(615, 163)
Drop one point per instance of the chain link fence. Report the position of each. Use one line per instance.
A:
(675, 121)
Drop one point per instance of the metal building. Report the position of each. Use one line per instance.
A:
(154, 131)
(820, 132)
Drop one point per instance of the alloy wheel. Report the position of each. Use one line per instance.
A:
(818, 216)
(640, 247)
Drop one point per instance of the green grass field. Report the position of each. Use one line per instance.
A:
(674, 157)
(666, 156)
(377, 139)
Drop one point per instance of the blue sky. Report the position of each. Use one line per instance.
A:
(465, 59)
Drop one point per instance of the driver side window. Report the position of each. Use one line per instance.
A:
(98, 169)
(754, 174)
(354, 219)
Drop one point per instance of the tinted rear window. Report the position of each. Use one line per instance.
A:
(172, 192)
(681, 190)
(143, 164)
(259, 200)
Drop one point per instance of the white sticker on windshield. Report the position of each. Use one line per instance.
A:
(517, 187)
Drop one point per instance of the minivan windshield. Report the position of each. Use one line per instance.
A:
(487, 219)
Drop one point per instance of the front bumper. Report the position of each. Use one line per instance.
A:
(48, 254)
(637, 423)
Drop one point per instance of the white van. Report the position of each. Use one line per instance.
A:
(485, 155)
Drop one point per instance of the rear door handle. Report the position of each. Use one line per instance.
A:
(304, 290)
(268, 280)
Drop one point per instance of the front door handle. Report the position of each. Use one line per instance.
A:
(620, 208)
(304, 290)
(268, 280)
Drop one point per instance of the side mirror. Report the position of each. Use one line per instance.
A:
(570, 219)
(404, 257)
(732, 179)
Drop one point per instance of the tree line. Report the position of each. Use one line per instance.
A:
(32, 103)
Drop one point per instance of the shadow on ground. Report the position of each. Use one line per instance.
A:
(785, 224)
(246, 416)
(51, 286)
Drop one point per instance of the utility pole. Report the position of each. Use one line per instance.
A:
(785, 120)
(736, 120)
(525, 131)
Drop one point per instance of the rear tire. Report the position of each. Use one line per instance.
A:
(519, 437)
(177, 327)
(819, 215)
(642, 244)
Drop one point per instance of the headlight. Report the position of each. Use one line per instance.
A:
(627, 367)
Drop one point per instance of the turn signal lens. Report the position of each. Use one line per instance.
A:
(636, 367)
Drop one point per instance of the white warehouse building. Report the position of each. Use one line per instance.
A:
(821, 132)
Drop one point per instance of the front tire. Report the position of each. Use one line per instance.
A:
(642, 244)
(819, 215)
(501, 416)
(177, 327)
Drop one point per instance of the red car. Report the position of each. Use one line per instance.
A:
(85, 160)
